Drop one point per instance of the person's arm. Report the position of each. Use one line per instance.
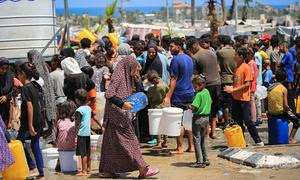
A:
(285, 100)
(78, 118)
(120, 103)
(30, 118)
(167, 99)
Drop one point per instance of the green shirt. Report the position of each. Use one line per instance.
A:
(156, 95)
(202, 102)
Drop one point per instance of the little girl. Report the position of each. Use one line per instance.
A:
(65, 137)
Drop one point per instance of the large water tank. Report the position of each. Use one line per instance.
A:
(26, 25)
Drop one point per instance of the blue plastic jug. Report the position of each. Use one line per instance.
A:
(278, 130)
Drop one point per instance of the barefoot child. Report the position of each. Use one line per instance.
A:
(201, 107)
(156, 94)
(83, 116)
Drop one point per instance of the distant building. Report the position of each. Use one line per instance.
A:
(181, 9)
(294, 7)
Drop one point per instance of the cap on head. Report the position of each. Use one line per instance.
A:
(266, 37)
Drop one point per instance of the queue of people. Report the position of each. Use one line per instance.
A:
(58, 99)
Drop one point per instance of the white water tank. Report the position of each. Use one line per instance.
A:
(26, 25)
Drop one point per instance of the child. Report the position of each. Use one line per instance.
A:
(65, 128)
(101, 73)
(267, 74)
(83, 116)
(31, 121)
(91, 94)
(201, 107)
(156, 94)
(83, 54)
(240, 92)
(278, 103)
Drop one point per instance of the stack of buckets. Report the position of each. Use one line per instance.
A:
(166, 121)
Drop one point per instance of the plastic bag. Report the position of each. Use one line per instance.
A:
(261, 92)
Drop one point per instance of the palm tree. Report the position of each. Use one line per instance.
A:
(245, 9)
(214, 23)
(193, 2)
(231, 10)
(223, 5)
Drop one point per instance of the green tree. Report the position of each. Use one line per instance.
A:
(245, 9)
(231, 10)
(214, 23)
(224, 11)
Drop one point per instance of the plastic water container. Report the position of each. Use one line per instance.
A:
(171, 122)
(187, 120)
(155, 116)
(234, 136)
(19, 169)
(94, 154)
(68, 161)
(278, 129)
(50, 156)
(86, 34)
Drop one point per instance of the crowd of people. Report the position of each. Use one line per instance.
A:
(59, 99)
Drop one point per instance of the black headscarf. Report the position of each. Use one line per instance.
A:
(153, 64)
(6, 80)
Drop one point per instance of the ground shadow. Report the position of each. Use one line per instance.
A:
(158, 152)
(219, 147)
(182, 164)
(122, 176)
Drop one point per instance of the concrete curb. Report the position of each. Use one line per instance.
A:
(260, 160)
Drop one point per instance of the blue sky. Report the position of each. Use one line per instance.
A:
(153, 3)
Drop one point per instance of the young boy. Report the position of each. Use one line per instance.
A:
(201, 107)
(156, 94)
(267, 74)
(278, 103)
(83, 116)
(83, 54)
(240, 92)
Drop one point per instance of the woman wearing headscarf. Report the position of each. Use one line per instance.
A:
(6, 88)
(123, 51)
(36, 58)
(121, 149)
(74, 78)
(153, 61)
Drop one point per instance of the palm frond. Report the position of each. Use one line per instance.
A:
(87, 23)
(111, 8)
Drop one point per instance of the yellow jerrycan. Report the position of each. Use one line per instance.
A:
(86, 34)
(19, 169)
(234, 136)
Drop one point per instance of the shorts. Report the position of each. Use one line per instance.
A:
(215, 93)
(83, 147)
(226, 98)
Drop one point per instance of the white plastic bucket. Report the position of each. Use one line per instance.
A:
(94, 154)
(187, 119)
(68, 161)
(50, 156)
(155, 116)
(171, 122)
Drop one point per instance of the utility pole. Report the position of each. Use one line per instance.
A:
(168, 16)
(67, 29)
(236, 14)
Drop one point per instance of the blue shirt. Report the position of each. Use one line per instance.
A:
(258, 61)
(288, 65)
(85, 123)
(182, 67)
(268, 78)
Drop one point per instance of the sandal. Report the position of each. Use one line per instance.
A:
(150, 172)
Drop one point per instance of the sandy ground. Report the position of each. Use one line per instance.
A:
(177, 166)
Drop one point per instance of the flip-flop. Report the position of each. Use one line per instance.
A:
(150, 172)
(189, 151)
